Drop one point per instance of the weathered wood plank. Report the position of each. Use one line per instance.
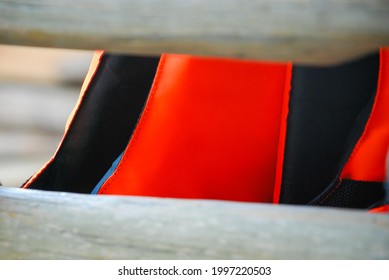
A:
(309, 31)
(46, 225)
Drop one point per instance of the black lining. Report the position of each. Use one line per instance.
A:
(103, 124)
(328, 110)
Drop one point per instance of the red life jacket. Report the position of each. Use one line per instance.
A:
(211, 128)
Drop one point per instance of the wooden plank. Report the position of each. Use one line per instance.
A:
(49, 225)
(309, 31)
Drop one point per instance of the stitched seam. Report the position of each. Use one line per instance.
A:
(283, 133)
(330, 193)
(362, 139)
(140, 125)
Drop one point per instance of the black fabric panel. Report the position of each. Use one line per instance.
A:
(354, 194)
(328, 110)
(103, 124)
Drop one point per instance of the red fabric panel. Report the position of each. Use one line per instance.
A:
(210, 129)
(383, 209)
(282, 137)
(367, 162)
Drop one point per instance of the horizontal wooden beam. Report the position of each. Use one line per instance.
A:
(310, 31)
(51, 225)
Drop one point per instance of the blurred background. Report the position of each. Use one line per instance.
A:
(38, 89)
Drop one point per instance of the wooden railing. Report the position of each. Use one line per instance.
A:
(38, 224)
(45, 225)
(309, 31)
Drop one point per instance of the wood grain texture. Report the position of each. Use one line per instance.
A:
(49, 225)
(306, 31)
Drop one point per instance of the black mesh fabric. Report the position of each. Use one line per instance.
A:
(328, 110)
(353, 194)
(103, 124)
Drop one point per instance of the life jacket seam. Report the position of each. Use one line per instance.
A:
(140, 125)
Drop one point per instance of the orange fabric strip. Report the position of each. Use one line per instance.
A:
(367, 162)
(210, 129)
(88, 79)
